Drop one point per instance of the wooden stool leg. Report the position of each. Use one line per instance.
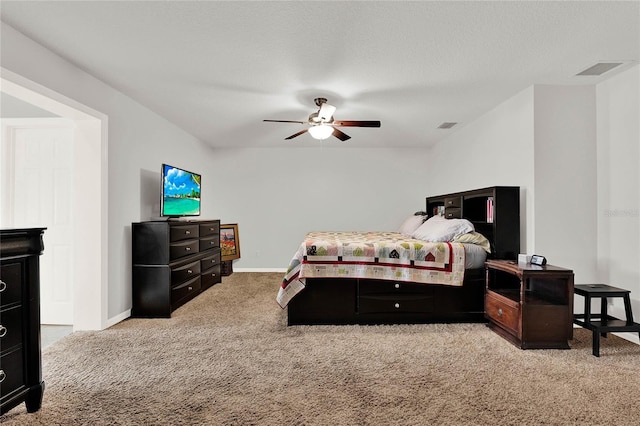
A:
(603, 312)
(627, 310)
(596, 343)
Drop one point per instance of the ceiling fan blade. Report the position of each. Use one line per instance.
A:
(356, 123)
(340, 135)
(297, 134)
(326, 112)
(285, 121)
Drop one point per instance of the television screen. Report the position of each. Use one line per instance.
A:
(180, 192)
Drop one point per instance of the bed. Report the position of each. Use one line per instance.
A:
(407, 276)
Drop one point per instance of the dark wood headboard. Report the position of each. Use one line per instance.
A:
(494, 212)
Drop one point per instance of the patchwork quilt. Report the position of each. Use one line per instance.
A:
(373, 255)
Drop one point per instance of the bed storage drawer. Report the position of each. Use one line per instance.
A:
(393, 296)
(377, 287)
(502, 311)
(405, 303)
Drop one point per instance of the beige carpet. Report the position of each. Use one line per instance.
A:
(228, 358)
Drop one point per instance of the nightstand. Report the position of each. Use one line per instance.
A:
(530, 306)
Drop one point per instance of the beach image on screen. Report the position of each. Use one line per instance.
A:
(181, 194)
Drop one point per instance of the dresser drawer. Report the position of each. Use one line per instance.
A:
(209, 243)
(210, 261)
(10, 328)
(453, 202)
(210, 276)
(404, 303)
(11, 373)
(501, 312)
(453, 213)
(184, 232)
(10, 283)
(183, 273)
(207, 229)
(183, 290)
(183, 248)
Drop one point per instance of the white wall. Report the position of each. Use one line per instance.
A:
(277, 195)
(565, 178)
(495, 150)
(618, 184)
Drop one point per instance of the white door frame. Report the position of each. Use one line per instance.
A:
(90, 194)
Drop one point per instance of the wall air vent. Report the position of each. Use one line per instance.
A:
(446, 125)
(600, 68)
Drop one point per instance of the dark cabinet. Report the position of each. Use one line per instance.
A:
(173, 262)
(531, 306)
(20, 358)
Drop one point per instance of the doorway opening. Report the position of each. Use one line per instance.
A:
(77, 209)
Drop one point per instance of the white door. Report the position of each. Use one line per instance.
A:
(43, 197)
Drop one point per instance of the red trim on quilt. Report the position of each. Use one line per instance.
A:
(449, 268)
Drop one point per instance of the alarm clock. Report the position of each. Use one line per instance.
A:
(536, 259)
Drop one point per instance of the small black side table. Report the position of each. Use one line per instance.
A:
(602, 323)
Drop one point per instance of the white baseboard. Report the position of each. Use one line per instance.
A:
(120, 317)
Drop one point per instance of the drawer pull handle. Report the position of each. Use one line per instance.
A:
(212, 229)
(190, 288)
(3, 331)
(3, 286)
(499, 312)
(189, 271)
(2, 376)
(187, 248)
(397, 305)
(187, 232)
(212, 242)
(213, 262)
(397, 285)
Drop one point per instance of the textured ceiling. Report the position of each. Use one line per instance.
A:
(217, 69)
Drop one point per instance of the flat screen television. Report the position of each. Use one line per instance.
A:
(180, 192)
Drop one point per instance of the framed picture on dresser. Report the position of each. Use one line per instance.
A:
(230, 241)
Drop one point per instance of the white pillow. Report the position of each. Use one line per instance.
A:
(438, 228)
(412, 223)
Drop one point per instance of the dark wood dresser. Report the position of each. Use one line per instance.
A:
(173, 262)
(20, 358)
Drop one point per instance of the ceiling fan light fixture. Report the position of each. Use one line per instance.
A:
(321, 131)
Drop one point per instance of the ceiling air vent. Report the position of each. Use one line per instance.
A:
(446, 125)
(600, 68)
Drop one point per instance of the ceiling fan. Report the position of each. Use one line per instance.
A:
(322, 125)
